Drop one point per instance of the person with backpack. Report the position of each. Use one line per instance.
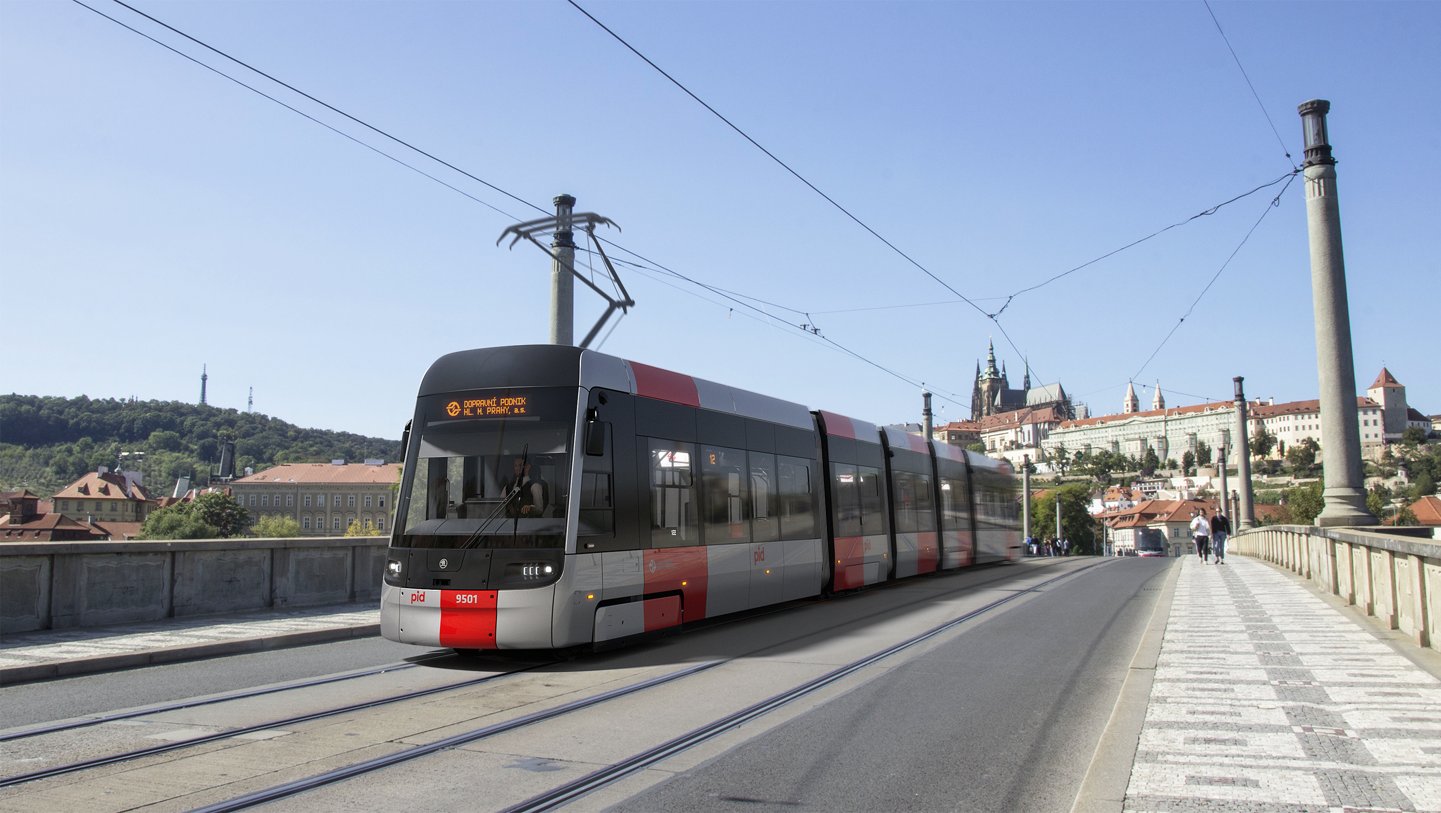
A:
(1201, 532)
(1220, 530)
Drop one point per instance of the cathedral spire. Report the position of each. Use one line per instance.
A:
(1026, 382)
(1133, 404)
(1157, 401)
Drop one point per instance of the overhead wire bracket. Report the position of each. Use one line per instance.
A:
(530, 228)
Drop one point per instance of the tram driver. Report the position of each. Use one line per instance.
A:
(526, 495)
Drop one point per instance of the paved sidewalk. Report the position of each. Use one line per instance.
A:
(1266, 698)
(61, 653)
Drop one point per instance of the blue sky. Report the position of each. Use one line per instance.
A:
(156, 217)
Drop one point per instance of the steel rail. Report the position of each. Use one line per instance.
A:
(60, 770)
(597, 779)
(240, 694)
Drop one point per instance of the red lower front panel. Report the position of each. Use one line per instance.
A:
(467, 619)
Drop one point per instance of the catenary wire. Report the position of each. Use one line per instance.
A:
(783, 164)
(291, 108)
(1247, 77)
(1273, 203)
(328, 106)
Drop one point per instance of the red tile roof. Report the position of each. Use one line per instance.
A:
(1385, 379)
(107, 486)
(325, 474)
(1126, 416)
(1312, 407)
(1427, 510)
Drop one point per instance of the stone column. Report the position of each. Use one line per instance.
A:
(1344, 493)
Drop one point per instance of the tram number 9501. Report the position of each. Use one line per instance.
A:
(467, 598)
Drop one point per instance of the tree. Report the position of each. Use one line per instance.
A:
(1149, 463)
(1302, 504)
(178, 521)
(1188, 462)
(977, 447)
(275, 526)
(1377, 498)
(356, 528)
(1203, 453)
(1076, 522)
(1262, 443)
(222, 511)
(1302, 456)
(1413, 436)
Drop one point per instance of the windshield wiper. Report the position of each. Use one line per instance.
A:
(514, 492)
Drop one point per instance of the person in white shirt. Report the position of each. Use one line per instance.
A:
(1201, 532)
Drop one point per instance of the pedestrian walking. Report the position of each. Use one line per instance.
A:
(1201, 532)
(1220, 532)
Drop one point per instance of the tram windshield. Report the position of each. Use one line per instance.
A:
(491, 471)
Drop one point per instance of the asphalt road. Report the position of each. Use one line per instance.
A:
(1003, 717)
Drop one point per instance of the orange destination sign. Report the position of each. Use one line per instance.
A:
(494, 406)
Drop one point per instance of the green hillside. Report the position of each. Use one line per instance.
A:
(47, 442)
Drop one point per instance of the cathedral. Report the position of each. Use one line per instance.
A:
(992, 393)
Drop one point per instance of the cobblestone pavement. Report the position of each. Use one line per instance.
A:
(53, 653)
(1267, 699)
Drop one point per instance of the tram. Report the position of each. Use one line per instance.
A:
(554, 497)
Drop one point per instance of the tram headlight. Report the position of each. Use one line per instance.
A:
(393, 568)
(536, 570)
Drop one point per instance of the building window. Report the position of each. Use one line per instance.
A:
(380, 523)
(307, 500)
(305, 522)
(335, 523)
(382, 502)
(350, 501)
(264, 500)
(289, 500)
(319, 500)
(252, 500)
(369, 500)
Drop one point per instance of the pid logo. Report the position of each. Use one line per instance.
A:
(417, 597)
(452, 409)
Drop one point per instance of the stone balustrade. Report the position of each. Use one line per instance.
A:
(1392, 575)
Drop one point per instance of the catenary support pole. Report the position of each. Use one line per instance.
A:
(562, 281)
(1344, 493)
(1245, 515)
(1026, 498)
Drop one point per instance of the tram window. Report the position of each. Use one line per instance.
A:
(765, 501)
(726, 495)
(797, 498)
(673, 521)
(872, 503)
(914, 510)
(846, 502)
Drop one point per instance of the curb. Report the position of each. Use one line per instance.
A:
(1103, 790)
(11, 675)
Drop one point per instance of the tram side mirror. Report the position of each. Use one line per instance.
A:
(594, 438)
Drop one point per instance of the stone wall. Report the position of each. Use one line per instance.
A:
(63, 585)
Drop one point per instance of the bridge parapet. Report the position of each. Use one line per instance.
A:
(61, 585)
(1393, 576)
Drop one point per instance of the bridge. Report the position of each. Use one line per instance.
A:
(1300, 675)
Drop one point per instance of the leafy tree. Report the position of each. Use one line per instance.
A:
(977, 447)
(1188, 462)
(1149, 463)
(275, 526)
(223, 511)
(1377, 499)
(1203, 453)
(1076, 522)
(356, 528)
(1302, 456)
(1413, 436)
(1061, 460)
(1262, 443)
(177, 522)
(1302, 504)
(1423, 486)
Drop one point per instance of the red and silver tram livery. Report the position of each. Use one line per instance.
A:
(554, 497)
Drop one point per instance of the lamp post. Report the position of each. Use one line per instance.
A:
(1345, 497)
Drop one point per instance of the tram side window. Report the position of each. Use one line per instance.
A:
(953, 504)
(846, 503)
(873, 515)
(726, 495)
(797, 498)
(765, 501)
(673, 521)
(914, 511)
